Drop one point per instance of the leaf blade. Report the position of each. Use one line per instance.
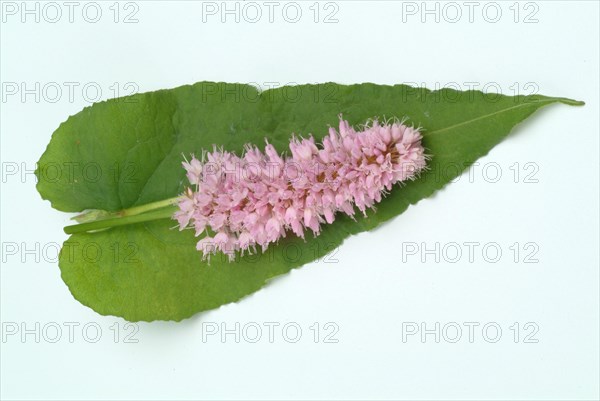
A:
(164, 277)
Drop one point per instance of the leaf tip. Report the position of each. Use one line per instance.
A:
(571, 102)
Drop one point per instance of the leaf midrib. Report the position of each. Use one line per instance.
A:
(548, 101)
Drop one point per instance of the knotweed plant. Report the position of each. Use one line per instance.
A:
(236, 204)
(244, 202)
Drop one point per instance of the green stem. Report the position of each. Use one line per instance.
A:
(95, 214)
(93, 220)
(137, 217)
(132, 211)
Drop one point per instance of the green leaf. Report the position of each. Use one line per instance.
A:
(127, 152)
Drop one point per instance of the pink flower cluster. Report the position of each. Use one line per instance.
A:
(241, 202)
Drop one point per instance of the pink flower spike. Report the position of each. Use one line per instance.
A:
(239, 202)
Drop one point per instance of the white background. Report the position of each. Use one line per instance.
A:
(374, 291)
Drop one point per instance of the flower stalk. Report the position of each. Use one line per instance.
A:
(95, 220)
